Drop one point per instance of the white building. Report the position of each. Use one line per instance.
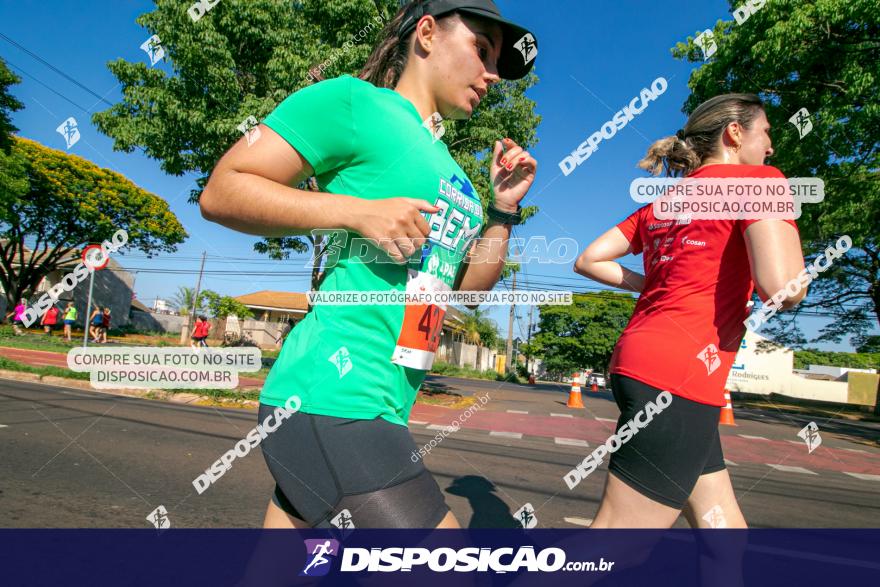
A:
(764, 373)
(162, 306)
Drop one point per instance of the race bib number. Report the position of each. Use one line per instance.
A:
(422, 324)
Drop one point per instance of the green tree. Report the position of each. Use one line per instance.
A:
(479, 330)
(243, 57)
(807, 357)
(59, 203)
(582, 334)
(220, 306)
(822, 55)
(8, 105)
(870, 345)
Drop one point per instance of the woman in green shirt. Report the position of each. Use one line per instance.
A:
(400, 214)
(69, 319)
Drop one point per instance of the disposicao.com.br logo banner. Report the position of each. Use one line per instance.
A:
(322, 552)
(273, 558)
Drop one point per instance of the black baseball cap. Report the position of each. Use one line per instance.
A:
(519, 46)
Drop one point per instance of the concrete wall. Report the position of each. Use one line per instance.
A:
(264, 334)
(463, 354)
(150, 322)
(863, 389)
(818, 389)
(836, 372)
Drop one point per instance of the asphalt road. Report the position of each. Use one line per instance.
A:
(76, 458)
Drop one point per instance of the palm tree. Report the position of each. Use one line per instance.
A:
(182, 301)
(478, 330)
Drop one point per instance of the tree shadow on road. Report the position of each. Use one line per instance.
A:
(489, 510)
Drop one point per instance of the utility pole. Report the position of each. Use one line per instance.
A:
(88, 310)
(510, 330)
(192, 314)
(529, 341)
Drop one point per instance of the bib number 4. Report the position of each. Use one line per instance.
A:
(422, 326)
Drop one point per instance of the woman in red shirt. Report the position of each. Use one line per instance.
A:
(681, 341)
(200, 332)
(50, 319)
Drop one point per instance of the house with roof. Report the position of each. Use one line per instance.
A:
(273, 309)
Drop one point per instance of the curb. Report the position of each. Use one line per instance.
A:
(150, 394)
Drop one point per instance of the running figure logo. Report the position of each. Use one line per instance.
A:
(710, 358)
(715, 517)
(250, 129)
(434, 124)
(319, 553)
(802, 122)
(527, 46)
(706, 42)
(526, 516)
(343, 521)
(159, 518)
(342, 360)
(153, 47)
(810, 434)
(69, 129)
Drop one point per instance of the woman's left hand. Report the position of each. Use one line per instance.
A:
(512, 174)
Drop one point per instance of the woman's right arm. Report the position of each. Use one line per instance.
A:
(250, 191)
(598, 263)
(775, 257)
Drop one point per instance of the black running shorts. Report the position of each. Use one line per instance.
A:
(666, 457)
(324, 465)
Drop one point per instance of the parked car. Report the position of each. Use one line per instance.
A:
(597, 378)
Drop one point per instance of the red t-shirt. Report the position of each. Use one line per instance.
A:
(202, 329)
(688, 322)
(51, 316)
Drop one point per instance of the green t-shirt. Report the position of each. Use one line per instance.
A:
(70, 314)
(363, 361)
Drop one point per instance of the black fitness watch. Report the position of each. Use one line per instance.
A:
(503, 217)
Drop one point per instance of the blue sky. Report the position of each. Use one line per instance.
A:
(594, 58)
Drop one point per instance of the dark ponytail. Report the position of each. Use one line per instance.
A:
(684, 152)
(388, 59)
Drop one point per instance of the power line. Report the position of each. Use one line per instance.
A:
(55, 69)
(48, 87)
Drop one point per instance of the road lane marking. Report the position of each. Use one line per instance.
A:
(516, 435)
(579, 521)
(730, 463)
(607, 420)
(752, 437)
(571, 441)
(517, 412)
(420, 422)
(562, 415)
(790, 469)
(438, 427)
(864, 476)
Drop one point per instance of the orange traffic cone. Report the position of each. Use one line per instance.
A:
(727, 412)
(594, 387)
(574, 396)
